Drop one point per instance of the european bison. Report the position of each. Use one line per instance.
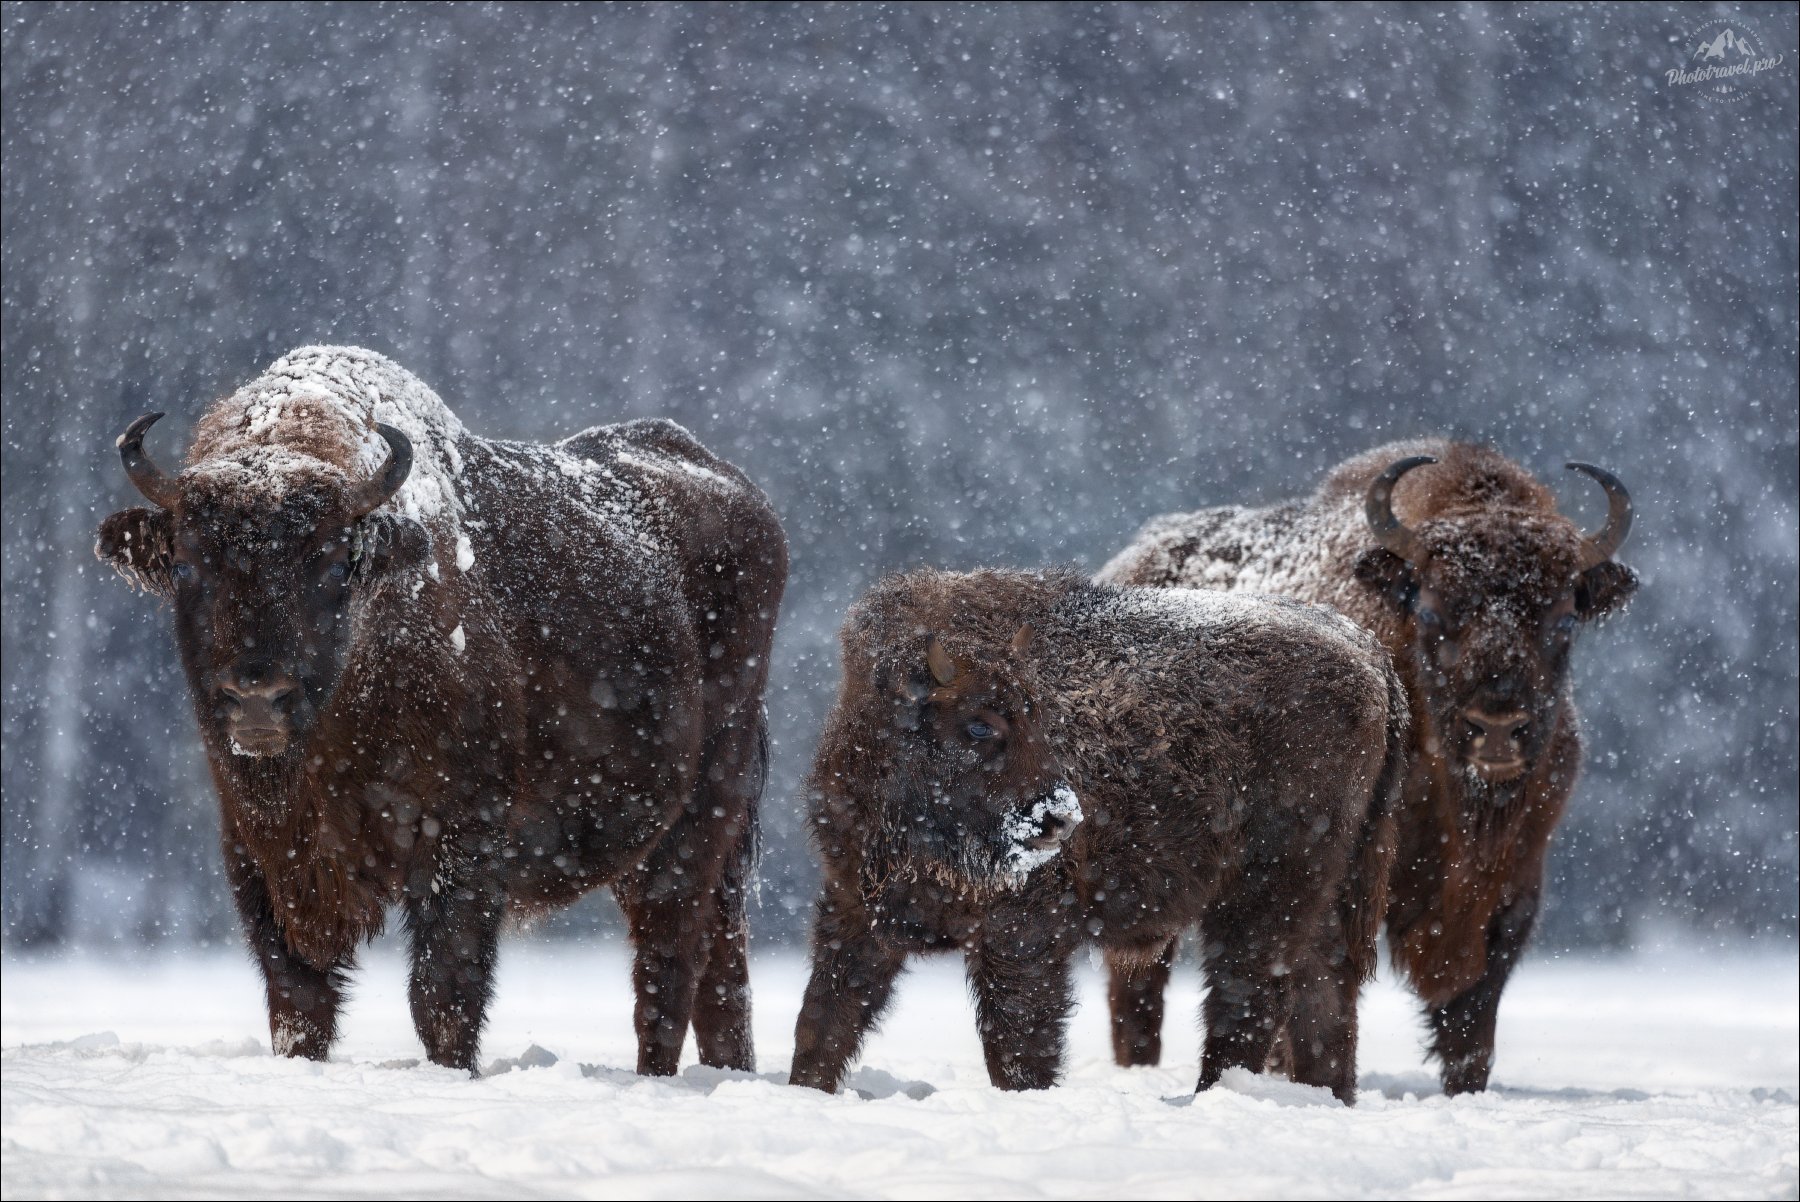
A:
(1018, 762)
(466, 677)
(1456, 559)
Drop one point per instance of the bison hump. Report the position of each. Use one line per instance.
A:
(658, 435)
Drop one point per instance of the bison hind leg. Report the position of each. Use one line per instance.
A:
(1137, 980)
(722, 1001)
(1251, 962)
(1245, 1008)
(672, 908)
(1318, 1046)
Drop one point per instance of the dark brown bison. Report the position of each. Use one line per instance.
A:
(467, 678)
(1456, 559)
(1019, 762)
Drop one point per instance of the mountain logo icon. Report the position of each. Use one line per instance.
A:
(1727, 41)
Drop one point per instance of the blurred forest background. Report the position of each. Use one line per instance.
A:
(957, 285)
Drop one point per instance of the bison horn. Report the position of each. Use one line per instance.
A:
(376, 492)
(943, 668)
(156, 485)
(1379, 509)
(1599, 547)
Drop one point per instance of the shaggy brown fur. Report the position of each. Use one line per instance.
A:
(1233, 759)
(529, 672)
(1482, 624)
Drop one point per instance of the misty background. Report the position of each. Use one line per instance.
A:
(955, 285)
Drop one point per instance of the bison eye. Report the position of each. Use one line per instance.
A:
(1430, 619)
(979, 730)
(183, 570)
(1564, 627)
(338, 571)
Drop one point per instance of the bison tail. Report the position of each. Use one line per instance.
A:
(748, 852)
(1366, 890)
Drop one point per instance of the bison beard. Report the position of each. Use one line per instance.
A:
(468, 678)
(1021, 762)
(1477, 594)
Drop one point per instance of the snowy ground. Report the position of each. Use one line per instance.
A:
(1663, 1075)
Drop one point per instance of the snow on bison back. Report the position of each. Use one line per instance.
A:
(465, 676)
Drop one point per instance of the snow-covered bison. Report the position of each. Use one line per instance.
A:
(466, 677)
(1456, 559)
(1020, 762)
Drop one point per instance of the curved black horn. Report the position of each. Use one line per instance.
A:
(1378, 507)
(399, 464)
(157, 485)
(1602, 545)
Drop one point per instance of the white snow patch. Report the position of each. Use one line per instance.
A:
(1195, 607)
(1280, 549)
(465, 553)
(677, 463)
(457, 639)
(287, 1037)
(1669, 1075)
(263, 472)
(1023, 826)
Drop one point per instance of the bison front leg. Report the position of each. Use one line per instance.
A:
(1022, 1004)
(1134, 994)
(303, 998)
(853, 976)
(453, 925)
(1463, 1028)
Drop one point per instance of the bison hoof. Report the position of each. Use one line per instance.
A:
(1465, 1076)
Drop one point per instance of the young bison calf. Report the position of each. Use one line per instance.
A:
(1021, 761)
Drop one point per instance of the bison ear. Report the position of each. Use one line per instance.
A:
(1604, 589)
(1386, 573)
(139, 544)
(387, 543)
